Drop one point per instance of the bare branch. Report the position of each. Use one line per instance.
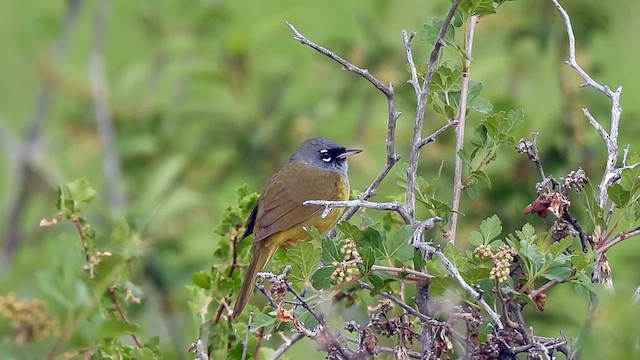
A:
(345, 64)
(286, 345)
(245, 343)
(432, 137)
(611, 141)
(618, 239)
(421, 108)
(596, 125)
(412, 66)
(328, 205)
(393, 114)
(462, 117)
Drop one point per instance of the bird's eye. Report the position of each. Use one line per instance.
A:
(324, 154)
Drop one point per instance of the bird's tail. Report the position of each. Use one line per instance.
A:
(262, 252)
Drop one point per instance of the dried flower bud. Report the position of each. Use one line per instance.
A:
(527, 148)
(576, 180)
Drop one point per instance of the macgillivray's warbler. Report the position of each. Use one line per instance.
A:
(317, 170)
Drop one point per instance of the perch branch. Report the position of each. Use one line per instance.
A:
(328, 205)
(393, 114)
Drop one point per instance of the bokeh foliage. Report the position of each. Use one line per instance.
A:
(208, 95)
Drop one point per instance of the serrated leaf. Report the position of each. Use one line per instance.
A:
(559, 273)
(419, 262)
(475, 238)
(330, 251)
(368, 256)
(491, 228)
(619, 195)
(81, 191)
(398, 247)
(304, 258)
(480, 105)
(350, 231)
(457, 257)
(559, 246)
(262, 320)
(322, 278)
(429, 33)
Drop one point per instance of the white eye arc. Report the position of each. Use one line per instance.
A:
(325, 155)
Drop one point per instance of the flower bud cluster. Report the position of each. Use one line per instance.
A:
(30, 320)
(346, 268)
(502, 260)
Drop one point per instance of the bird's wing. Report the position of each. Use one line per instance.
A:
(281, 204)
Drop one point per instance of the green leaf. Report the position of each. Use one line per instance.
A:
(398, 247)
(419, 262)
(202, 280)
(482, 176)
(458, 257)
(368, 258)
(378, 281)
(115, 327)
(559, 247)
(559, 273)
(304, 258)
(475, 238)
(350, 231)
(262, 320)
(429, 33)
(81, 191)
(619, 195)
(322, 278)
(477, 7)
(330, 251)
(480, 105)
(372, 238)
(491, 228)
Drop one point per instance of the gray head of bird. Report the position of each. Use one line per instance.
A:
(324, 154)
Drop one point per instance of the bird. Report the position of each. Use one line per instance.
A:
(317, 170)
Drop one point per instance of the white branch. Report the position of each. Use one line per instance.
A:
(328, 205)
(611, 140)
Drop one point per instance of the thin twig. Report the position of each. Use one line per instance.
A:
(462, 117)
(123, 315)
(437, 133)
(618, 239)
(245, 343)
(286, 345)
(399, 302)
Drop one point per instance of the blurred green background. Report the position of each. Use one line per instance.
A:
(208, 95)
